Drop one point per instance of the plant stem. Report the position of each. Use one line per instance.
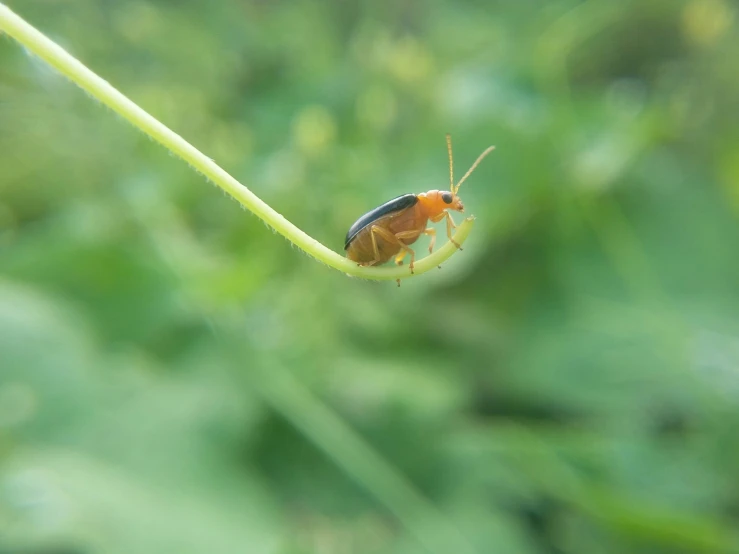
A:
(53, 54)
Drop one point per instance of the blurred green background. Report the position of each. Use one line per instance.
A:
(174, 377)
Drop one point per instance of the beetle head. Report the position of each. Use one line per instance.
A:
(436, 201)
(450, 201)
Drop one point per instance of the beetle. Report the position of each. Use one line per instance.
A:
(388, 230)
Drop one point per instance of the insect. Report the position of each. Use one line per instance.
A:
(388, 231)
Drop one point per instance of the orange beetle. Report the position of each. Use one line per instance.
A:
(387, 231)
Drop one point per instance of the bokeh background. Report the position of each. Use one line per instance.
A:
(174, 377)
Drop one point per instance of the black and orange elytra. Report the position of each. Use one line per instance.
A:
(387, 230)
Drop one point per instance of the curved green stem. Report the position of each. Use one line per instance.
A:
(73, 69)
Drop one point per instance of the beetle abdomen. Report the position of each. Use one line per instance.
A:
(389, 207)
(361, 250)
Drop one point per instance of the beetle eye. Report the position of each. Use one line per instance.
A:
(446, 197)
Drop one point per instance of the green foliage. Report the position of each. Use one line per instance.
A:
(176, 378)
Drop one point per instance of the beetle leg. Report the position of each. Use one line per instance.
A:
(404, 235)
(449, 226)
(408, 235)
(388, 236)
(375, 249)
(399, 257)
(432, 233)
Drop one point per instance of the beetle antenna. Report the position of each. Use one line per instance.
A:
(471, 169)
(451, 162)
